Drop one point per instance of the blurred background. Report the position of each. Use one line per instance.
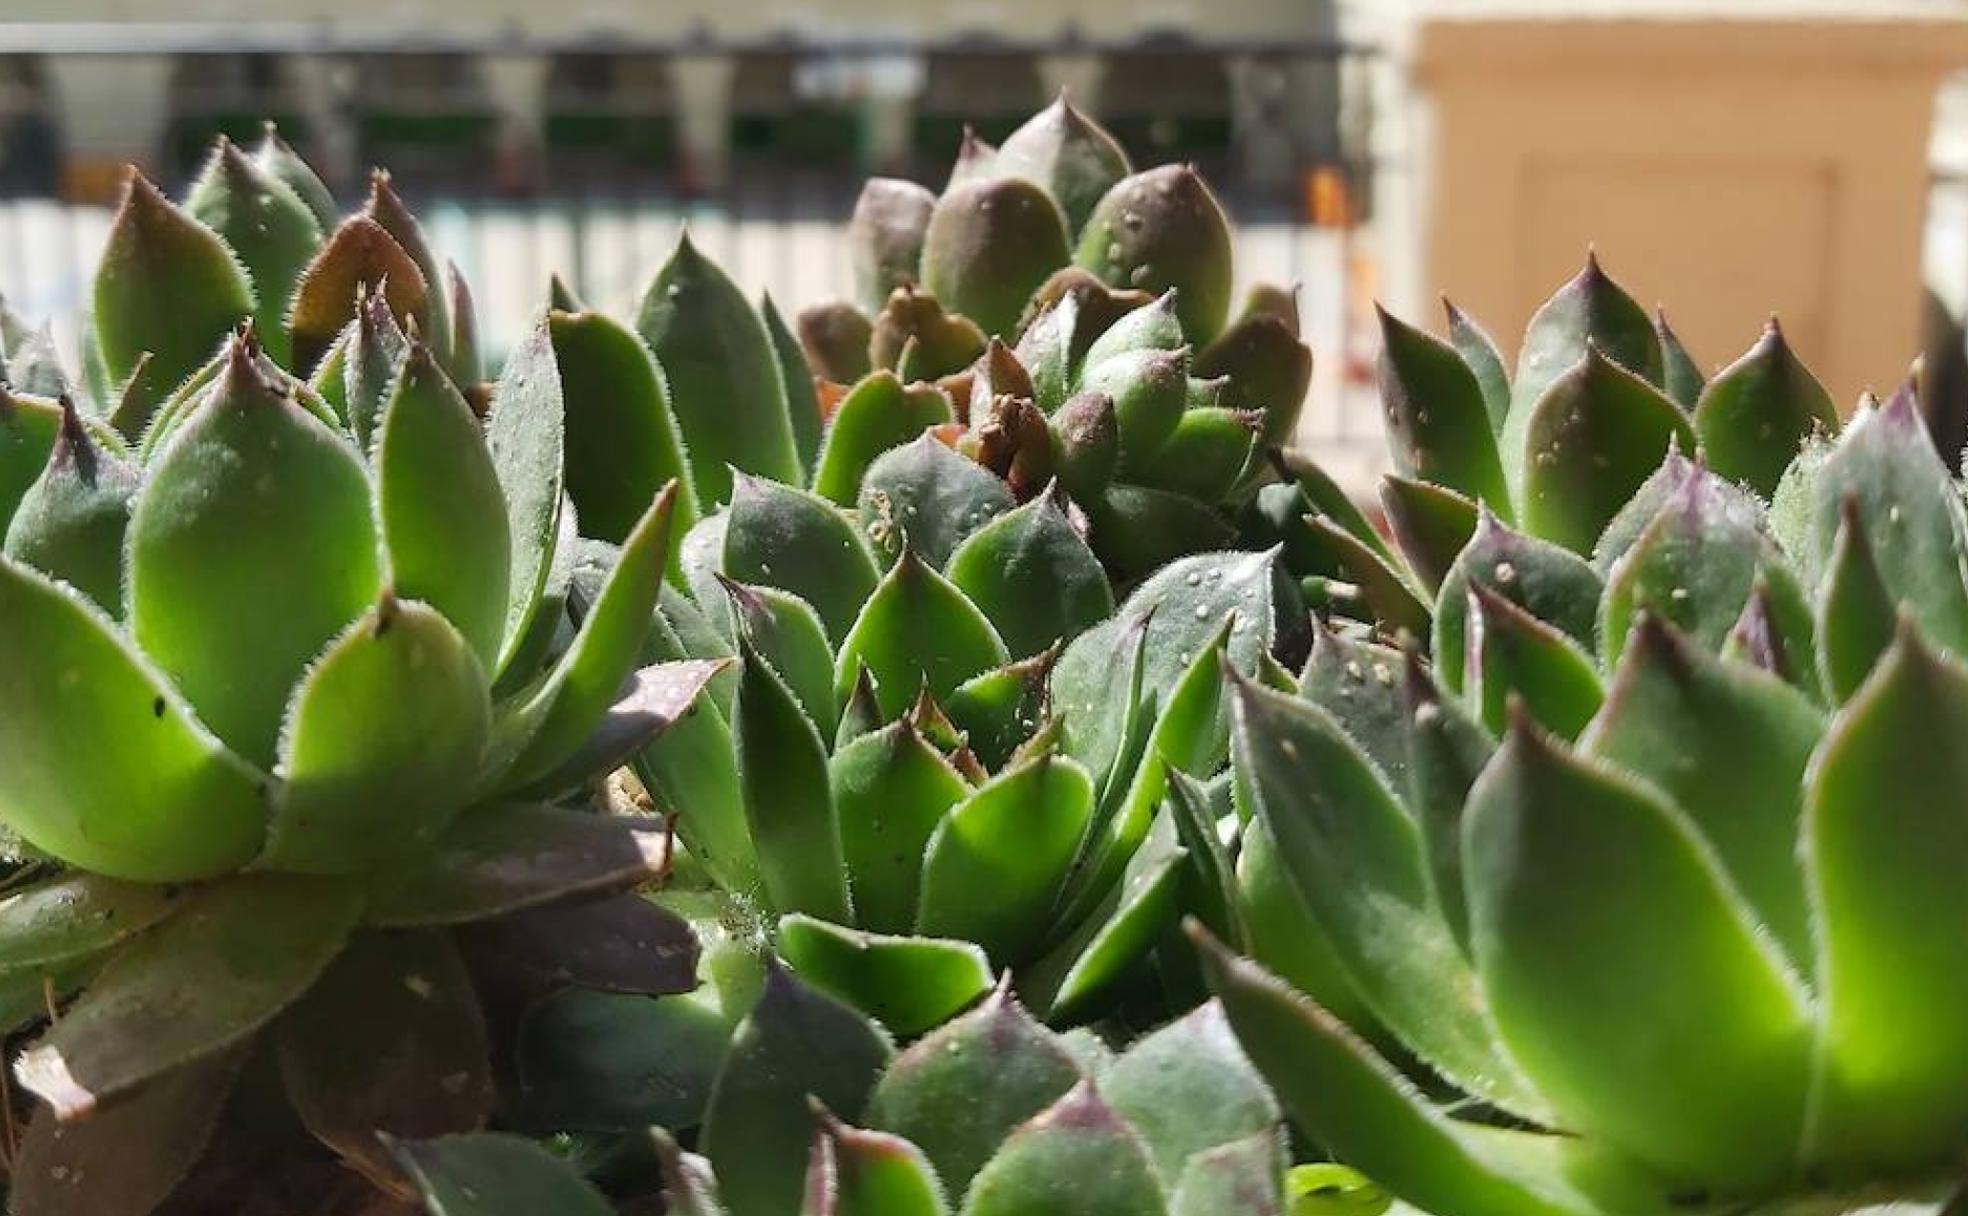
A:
(1805, 156)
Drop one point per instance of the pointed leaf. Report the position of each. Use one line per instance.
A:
(885, 237)
(877, 414)
(277, 157)
(925, 495)
(1513, 656)
(1137, 530)
(1068, 153)
(72, 520)
(486, 1174)
(1188, 1088)
(1760, 408)
(1447, 748)
(1394, 604)
(266, 224)
(371, 352)
(1479, 351)
(782, 766)
(1437, 424)
(1595, 910)
(891, 789)
(233, 958)
(1075, 1158)
(1693, 566)
(526, 432)
(1268, 367)
(864, 1173)
(1241, 1178)
(1159, 229)
(1681, 376)
(359, 254)
(29, 427)
(916, 631)
(908, 984)
(1634, 518)
(75, 916)
(787, 633)
(622, 442)
(614, 1062)
(1856, 612)
(780, 536)
(1432, 526)
(1359, 685)
(989, 244)
(802, 400)
(1114, 935)
(1000, 709)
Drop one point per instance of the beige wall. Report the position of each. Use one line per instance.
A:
(1726, 168)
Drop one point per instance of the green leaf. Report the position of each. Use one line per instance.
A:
(925, 496)
(360, 256)
(1207, 454)
(782, 767)
(877, 414)
(796, 1042)
(235, 956)
(1075, 158)
(1880, 832)
(383, 743)
(615, 1062)
(1446, 749)
(1728, 744)
(916, 339)
(1359, 685)
(1639, 512)
(266, 224)
(1595, 910)
(999, 858)
(989, 244)
(1357, 860)
(1360, 1108)
(127, 1159)
(908, 984)
(1188, 1088)
(961, 1089)
(1210, 890)
(1137, 530)
(1693, 566)
(1432, 526)
(159, 799)
(1775, 631)
(526, 432)
(802, 399)
(76, 916)
(441, 508)
(622, 442)
(1395, 605)
(389, 1040)
(1759, 410)
(165, 284)
(371, 350)
(487, 1174)
(1051, 348)
(1514, 656)
(890, 791)
(1154, 326)
(784, 537)
(1438, 426)
(1033, 575)
(1159, 229)
(71, 522)
(787, 633)
(1242, 1178)
(29, 427)
(866, 1173)
(251, 482)
(1268, 367)
(1075, 1158)
(885, 236)
(1681, 376)
(1590, 318)
(1000, 709)
(1589, 443)
(724, 382)
(387, 209)
(504, 857)
(1114, 935)
(278, 158)
(916, 631)
(1149, 390)
(1856, 613)
(1479, 351)
(466, 364)
(609, 943)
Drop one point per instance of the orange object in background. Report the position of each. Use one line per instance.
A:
(1328, 197)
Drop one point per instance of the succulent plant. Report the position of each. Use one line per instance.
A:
(298, 719)
(989, 1114)
(1655, 858)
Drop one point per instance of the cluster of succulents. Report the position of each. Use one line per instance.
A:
(1622, 807)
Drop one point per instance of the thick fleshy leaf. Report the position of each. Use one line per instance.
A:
(1856, 613)
(784, 537)
(1149, 390)
(164, 802)
(201, 605)
(885, 237)
(1357, 861)
(71, 522)
(787, 634)
(1728, 744)
(608, 1062)
(1431, 524)
(1479, 351)
(691, 771)
(1775, 631)
(441, 508)
(908, 984)
(1188, 1088)
(1242, 1178)
(923, 495)
(1137, 529)
(960, 1090)
(1002, 708)
(75, 916)
(467, 365)
(1595, 908)
(1694, 565)
(891, 789)
(29, 427)
(168, 285)
(1513, 656)
(914, 337)
(916, 631)
(488, 1174)
(1051, 347)
(877, 414)
(1589, 442)
(802, 398)
(1639, 512)
(505, 857)
(266, 224)
(1376, 583)
(796, 1042)
(1446, 750)
(1359, 1107)
(1078, 1157)
(1681, 377)
(614, 943)
(1591, 313)
(1159, 229)
(1034, 576)
(360, 254)
(234, 956)
(527, 434)
(1113, 935)
(31, 363)
(387, 209)
(390, 1040)
(1210, 890)
(1359, 684)
(622, 442)
(1070, 154)
(126, 1159)
(1753, 417)
(1880, 833)
(1207, 454)
(1911, 511)
(1268, 367)
(370, 352)
(383, 743)
(866, 1173)
(1438, 426)
(724, 382)
(782, 767)
(277, 157)
(999, 858)
(1153, 327)
(989, 244)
